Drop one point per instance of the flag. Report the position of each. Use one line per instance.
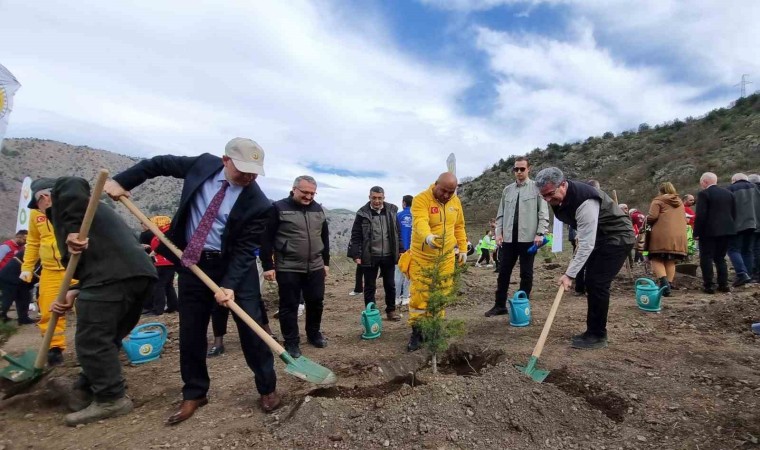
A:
(451, 164)
(8, 87)
(22, 218)
(557, 232)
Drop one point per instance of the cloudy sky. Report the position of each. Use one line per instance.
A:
(363, 93)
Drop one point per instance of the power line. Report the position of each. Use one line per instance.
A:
(743, 84)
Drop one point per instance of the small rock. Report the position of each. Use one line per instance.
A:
(470, 413)
(336, 437)
(307, 399)
(641, 438)
(633, 396)
(386, 443)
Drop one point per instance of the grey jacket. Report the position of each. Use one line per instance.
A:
(533, 215)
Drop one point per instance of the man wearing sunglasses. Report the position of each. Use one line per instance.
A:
(605, 238)
(522, 220)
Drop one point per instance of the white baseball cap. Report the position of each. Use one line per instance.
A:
(247, 155)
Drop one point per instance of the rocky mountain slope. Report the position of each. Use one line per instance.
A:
(633, 163)
(44, 158)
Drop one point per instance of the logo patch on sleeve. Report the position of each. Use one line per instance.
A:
(433, 210)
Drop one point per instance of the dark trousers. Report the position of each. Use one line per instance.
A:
(387, 268)
(21, 293)
(508, 256)
(105, 315)
(358, 284)
(292, 286)
(164, 295)
(196, 301)
(740, 249)
(601, 267)
(712, 250)
(756, 256)
(485, 255)
(580, 280)
(221, 315)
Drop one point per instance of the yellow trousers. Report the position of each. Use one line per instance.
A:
(50, 284)
(420, 284)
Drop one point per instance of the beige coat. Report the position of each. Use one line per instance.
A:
(668, 220)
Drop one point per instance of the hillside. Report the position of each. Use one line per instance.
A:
(724, 141)
(44, 158)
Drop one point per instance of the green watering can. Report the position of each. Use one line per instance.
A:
(648, 295)
(372, 322)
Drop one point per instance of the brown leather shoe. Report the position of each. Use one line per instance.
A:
(393, 316)
(270, 402)
(186, 410)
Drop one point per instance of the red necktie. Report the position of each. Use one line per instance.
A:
(192, 253)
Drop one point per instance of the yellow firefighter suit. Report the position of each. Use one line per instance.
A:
(42, 246)
(444, 220)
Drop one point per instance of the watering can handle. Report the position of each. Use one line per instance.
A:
(370, 306)
(521, 294)
(164, 332)
(645, 281)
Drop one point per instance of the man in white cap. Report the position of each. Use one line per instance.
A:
(219, 224)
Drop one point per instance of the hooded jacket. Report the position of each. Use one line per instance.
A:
(668, 219)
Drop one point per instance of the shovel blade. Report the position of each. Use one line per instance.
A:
(530, 370)
(21, 368)
(307, 370)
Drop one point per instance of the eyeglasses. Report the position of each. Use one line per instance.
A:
(549, 195)
(519, 169)
(307, 193)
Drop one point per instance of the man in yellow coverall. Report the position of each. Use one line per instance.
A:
(41, 246)
(437, 229)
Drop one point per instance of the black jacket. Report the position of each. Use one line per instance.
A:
(361, 234)
(299, 237)
(113, 253)
(716, 212)
(746, 198)
(245, 225)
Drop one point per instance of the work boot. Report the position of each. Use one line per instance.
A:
(55, 357)
(293, 349)
(588, 341)
(496, 311)
(724, 289)
(665, 284)
(100, 410)
(74, 398)
(393, 316)
(317, 340)
(741, 279)
(415, 341)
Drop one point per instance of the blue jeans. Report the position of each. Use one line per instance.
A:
(740, 251)
(402, 284)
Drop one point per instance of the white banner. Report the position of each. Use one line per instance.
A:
(22, 218)
(8, 87)
(557, 233)
(451, 164)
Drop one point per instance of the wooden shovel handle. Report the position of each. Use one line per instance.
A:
(271, 343)
(547, 326)
(71, 267)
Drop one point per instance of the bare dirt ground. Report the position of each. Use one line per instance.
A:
(685, 378)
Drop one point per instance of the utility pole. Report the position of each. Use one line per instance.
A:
(743, 84)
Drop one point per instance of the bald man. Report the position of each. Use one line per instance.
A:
(713, 227)
(437, 229)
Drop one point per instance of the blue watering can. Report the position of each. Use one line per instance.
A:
(145, 346)
(648, 295)
(372, 322)
(519, 310)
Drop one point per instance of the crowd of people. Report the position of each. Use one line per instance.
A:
(227, 227)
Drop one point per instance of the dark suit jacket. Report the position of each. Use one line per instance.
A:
(716, 212)
(243, 231)
(113, 253)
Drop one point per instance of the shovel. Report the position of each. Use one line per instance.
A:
(300, 367)
(530, 369)
(20, 369)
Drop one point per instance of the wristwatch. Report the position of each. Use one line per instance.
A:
(539, 234)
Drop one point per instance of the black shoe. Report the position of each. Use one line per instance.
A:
(215, 351)
(26, 321)
(724, 289)
(415, 340)
(588, 341)
(293, 350)
(741, 279)
(580, 293)
(317, 340)
(55, 357)
(664, 283)
(496, 311)
(708, 290)
(152, 314)
(170, 311)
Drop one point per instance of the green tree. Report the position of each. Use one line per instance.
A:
(443, 289)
